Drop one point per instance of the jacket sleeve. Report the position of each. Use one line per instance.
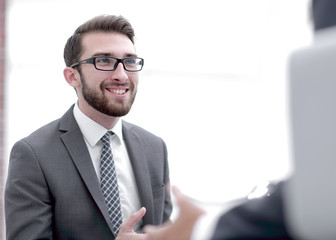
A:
(28, 207)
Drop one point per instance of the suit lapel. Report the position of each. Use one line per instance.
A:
(74, 142)
(138, 160)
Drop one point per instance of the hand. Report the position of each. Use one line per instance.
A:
(182, 228)
(127, 232)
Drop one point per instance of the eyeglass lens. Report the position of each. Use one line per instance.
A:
(109, 63)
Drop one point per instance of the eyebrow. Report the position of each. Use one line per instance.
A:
(111, 55)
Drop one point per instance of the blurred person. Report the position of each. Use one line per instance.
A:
(87, 174)
(261, 218)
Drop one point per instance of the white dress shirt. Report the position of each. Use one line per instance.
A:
(92, 133)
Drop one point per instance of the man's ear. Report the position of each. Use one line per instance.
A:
(72, 77)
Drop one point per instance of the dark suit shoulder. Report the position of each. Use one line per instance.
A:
(49, 135)
(42, 134)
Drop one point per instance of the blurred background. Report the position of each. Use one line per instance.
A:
(213, 85)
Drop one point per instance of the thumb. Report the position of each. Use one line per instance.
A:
(133, 219)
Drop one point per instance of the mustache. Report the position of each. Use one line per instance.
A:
(104, 85)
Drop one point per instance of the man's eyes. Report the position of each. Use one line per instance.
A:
(105, 60)
(112, 61)
(130, 61)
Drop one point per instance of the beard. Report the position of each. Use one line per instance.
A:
(101, 103)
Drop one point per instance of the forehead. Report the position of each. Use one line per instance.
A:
(114, 44)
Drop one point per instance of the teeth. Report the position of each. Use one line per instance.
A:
(118, 91)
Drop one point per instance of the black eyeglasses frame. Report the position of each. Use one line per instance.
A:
(92, 60)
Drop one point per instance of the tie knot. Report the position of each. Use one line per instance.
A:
(106, 138)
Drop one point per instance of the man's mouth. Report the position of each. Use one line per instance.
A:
(117, 91)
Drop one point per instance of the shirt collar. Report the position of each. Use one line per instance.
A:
(93, 131)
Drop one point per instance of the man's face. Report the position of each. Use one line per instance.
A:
(109, 92)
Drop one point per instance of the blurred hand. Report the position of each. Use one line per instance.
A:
(127, 232)
(182, 228)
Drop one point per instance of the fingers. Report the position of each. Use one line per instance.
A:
(126, 230)
(133, 219)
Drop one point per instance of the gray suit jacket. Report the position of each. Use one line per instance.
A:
(52, 190)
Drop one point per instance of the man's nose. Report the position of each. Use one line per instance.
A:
(119, 73)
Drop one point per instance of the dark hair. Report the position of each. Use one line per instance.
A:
(323, 13)
(102, 23)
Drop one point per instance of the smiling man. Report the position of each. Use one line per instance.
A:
(89, 174)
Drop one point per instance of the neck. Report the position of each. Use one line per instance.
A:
(104, 120)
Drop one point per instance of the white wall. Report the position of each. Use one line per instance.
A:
(213, 85)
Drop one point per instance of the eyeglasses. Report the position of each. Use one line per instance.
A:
(107, 63)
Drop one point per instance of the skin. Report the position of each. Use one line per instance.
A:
(126, 231)
(97, 90)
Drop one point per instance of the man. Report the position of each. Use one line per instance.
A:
(256, 219)
(82, 175)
